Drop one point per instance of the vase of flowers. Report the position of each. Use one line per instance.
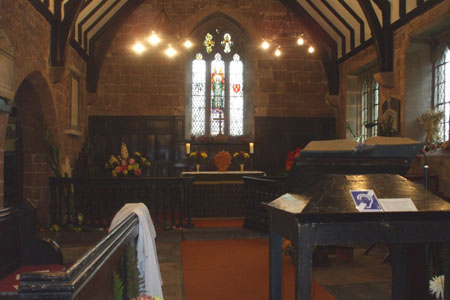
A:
(241, 158)
(198, 157)
(125, 164)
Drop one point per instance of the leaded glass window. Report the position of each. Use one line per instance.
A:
(442, 92)
(217, 87)
(198, 95)
(369, 107)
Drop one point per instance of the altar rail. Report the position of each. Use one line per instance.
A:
(257, 191)
(96, 200)
(91, 276)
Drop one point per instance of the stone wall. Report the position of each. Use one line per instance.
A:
(29, 34)
(403, 51)
(151, 84)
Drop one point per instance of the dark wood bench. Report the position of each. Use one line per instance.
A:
(21, 251)
(91, 276)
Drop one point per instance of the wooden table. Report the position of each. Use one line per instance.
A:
(325, 214)
(219, 194)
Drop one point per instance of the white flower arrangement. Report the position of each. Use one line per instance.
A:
(437, 287)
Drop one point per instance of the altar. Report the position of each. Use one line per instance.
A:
(219, 194)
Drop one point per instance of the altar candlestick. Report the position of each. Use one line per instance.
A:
(251, 145)
(188, 148)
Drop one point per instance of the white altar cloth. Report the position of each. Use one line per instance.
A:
(146, 248)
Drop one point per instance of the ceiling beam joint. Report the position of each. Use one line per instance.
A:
(382, 33)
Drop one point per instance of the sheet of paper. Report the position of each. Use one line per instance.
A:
(397, 204)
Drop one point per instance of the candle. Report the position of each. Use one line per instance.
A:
(188, 148)
(251, 147)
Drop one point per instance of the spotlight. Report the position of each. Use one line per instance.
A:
(311, 49)
(278, 52)
(154, 39)
(265, 45)
(170, 51)
(138, 48)
(300, 41)
(188, 44)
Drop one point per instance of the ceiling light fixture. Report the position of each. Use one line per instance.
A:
(162, 31)
(139, 48)
(170, 51)
(286, 36)
(278, 51)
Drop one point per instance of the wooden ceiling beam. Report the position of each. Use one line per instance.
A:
(61, 29)
(99, 43)
(327, 46)
(382, 33)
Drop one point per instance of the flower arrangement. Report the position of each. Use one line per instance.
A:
(430, 122)
(437, 287)
(198, 156)
(124, 164)
(241, 157)
(292, 155)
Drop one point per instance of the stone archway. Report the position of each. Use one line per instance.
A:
(33, 101)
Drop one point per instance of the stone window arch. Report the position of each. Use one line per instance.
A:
(217, 79)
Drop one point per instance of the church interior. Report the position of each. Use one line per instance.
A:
(243, 126)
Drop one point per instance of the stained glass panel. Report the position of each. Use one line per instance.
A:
(236, 96)
(198, 95)
(227, 43)
(217, 95)
(208, 42)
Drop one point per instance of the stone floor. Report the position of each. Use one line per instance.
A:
(366, 277)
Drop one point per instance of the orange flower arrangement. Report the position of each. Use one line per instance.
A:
(222, 160)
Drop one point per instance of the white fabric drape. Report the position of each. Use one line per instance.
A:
(146, 248)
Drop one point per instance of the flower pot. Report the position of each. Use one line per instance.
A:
(241, 167)
(197, 167)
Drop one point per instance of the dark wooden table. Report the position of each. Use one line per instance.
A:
(325, 214)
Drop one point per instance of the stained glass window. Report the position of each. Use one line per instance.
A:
(227, 43)
(442, 92)
(236, 96)
(218, 102)
(208, 42)
(217, 95)
(198, 95)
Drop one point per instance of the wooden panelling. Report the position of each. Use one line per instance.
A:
(156, 137)
(275, 137)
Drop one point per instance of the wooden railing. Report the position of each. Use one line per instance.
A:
(94, 201)
(90, 277)
(258, 190)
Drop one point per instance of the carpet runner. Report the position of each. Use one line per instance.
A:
(234, 270)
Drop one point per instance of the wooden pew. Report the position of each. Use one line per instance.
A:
(260, 190)
(21, 251)
(91, 276)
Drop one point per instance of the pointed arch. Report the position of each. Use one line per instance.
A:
(219, 106)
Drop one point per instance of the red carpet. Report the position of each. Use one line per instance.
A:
(216, 223)
(234, 269)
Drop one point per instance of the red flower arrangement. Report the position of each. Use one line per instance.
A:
(291, 158)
